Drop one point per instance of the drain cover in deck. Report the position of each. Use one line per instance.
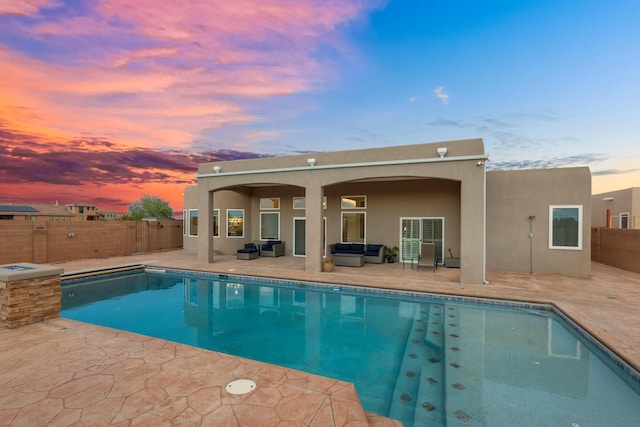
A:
(241, 386)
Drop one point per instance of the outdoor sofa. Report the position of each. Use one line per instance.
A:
(372, 253)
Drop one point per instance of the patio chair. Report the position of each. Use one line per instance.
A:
(272, 248)
(427, 257)
(407, 255)
(250, 251)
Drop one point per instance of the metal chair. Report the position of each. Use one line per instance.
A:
(428, 256)
(406, 254)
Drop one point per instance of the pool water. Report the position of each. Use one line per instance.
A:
(422, 361)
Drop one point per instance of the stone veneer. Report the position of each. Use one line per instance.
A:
(29, 293)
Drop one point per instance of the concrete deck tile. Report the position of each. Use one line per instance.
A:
(187, 418)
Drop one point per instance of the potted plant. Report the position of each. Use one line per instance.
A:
(390, 254)
(327, 265)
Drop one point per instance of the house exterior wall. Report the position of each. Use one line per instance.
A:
(223, 200)
(513, 196)
(617, 202)
(463, 163)
(83, 211)
(387, 202)
(486, 213)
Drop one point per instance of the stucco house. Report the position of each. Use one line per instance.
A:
(35, 212)
(616, 209)
(523, 221)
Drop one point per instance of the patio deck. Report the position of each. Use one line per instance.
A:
(63, 372)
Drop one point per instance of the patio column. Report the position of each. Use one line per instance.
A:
(205, 223)
(313, 228)
(472, 229)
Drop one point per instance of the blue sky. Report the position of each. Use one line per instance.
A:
(140, 91)
(544, 83)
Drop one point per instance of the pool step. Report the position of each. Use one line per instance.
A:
(430, 404)
(462, 388)
(434, 334)
(416, 357)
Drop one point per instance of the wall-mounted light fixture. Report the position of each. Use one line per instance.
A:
(312, 162)
(442, 151)
(217, 169)
(480, 163)
(607, 199)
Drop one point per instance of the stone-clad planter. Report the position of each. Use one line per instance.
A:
(29, 293)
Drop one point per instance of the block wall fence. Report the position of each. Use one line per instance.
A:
(616, 247)
(42, 242)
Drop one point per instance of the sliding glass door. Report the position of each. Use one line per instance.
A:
(416, 230)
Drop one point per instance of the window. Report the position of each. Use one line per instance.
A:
(269, 225)
(624, 220)
(353, 202)
(184, 222)
(216, 223)
(193, 222)
(235, 222)
(565, 227)
(353, 227)
(301, 203)
(270, 203)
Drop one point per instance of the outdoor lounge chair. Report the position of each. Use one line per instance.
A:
(272, 248)
(250, 251)
(428, 256)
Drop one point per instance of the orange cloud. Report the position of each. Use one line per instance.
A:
(150, 75)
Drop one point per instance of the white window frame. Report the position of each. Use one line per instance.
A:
(185, 222)
(364, 214)
(227, 224)
(270, 201)
(580, 223)
(269, 238)
(343, 206)
(216, 213)
(304, 202)
(190, 228)
(625, 215)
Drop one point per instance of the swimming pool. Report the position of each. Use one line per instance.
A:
(418, 359)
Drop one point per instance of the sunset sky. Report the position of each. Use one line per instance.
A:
(103, 101)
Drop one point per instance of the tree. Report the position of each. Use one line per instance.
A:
(148, 207)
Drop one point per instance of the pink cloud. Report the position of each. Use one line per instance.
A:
(150, 72)
(202, 19)
(24, 7)
(119, 94)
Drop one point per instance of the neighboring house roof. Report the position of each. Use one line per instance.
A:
(17, 209)
(34, 209)
(81, 204)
